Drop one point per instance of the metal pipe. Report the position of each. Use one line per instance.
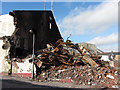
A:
(33, 55)
(11, 68)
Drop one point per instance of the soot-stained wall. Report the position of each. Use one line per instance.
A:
(44, 26)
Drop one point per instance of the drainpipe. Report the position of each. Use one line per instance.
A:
(33, 56)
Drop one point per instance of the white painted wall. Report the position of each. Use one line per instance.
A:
(105, 57)
(6, 25)
(6, 29)
(4, 66)
(25, 67)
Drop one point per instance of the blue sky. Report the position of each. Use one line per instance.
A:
(92, 22)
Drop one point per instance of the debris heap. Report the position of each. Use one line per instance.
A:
(98, 77)
(67, 53)
(66, 62)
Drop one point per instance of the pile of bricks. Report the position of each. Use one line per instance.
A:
(68, 63)
(96, 77)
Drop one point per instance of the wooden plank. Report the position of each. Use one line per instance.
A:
(89, 60)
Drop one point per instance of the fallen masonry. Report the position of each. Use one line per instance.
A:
(99, 77)
(36, 32)
(66, 62)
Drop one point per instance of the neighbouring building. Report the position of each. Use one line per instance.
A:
(6, 29)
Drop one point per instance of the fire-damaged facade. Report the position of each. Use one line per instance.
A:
(37, 42)
(42, 24)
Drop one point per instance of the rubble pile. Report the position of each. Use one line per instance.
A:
(67, 53)
(96, 77)
(66, 62)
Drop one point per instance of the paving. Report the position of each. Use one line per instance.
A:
(18, 82)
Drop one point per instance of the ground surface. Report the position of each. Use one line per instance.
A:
(17, 82)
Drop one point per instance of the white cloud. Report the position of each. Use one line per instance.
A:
(110, 39)
(109, 48)
(107, 43)
(93, 20)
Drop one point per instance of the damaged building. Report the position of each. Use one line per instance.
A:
(43, 25)
(36, 33)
